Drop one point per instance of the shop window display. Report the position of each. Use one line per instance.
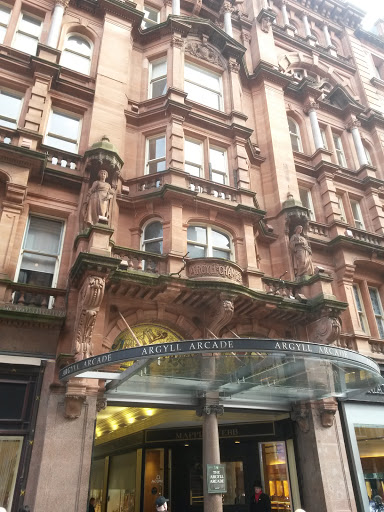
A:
(274, 469)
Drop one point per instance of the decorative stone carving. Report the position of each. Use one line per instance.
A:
(310, 105)
(233, 66)
(101, 404)
(167, 3)
(266, 17)
(104, 155)
(265, 24)
(63, 3)
(73, 406)
(177, 42)
(353, 123)
(245, 37)
(301, 254)
(91, 297)
(220, 315)
(327, 408)
(226, 7)
(325, 330)
(97, 203)
(201, 268)
(207, 409)
(203, 52)
(300, 415)
(197, 7)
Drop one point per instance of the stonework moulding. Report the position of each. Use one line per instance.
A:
(177, 42)
(233, 66)
(226, 7)
(325, 330)
(203, 52)
(327, 408)
(353, 123)
(63, 3)
(103, 155)
(92, 293)
(310, 105)
(266, 17)
(101, 404)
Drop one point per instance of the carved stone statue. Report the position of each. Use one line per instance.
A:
(301, 253)
(97, 204)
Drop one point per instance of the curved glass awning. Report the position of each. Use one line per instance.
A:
(246, 372)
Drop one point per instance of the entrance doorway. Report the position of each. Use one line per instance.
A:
(140, 454)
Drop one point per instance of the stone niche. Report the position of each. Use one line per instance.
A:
(214, 269)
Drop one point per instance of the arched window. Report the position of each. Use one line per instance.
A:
(294, 133)
(77, 54)
(208, 242)
(153, 237)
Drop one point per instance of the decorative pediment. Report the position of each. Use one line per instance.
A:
(206, 52)
(340, 97)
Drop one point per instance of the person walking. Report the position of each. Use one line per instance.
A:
(259, 501)
(91, 506)
(161, 504)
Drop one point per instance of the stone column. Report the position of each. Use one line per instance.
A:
(285, 13)
(310, 109)
(56, 22)
(227, 10)
(353, 126)
(307, 28)
(176, 7)
(327, 37)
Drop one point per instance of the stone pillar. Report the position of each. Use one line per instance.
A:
(56, 22)
(353, 126)
(307, 28)
(285, 13)
(38, 105)
(175, 142)
(328, 42)
(329, 199)
(375, 208)
(227, 11)
(176, 7)
(310, 109)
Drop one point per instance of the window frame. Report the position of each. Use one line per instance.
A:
(89, 59)
(214, 147)
(8, 93)
(323, 134)
(368, 155)
(60, 137)
(359, 304)
(144, 241)
(146, 22)
(340, 201)
(308, 192)
(379, 316)
(4, 7)
(339, 150)
(31, 36)
(151, 80)
(297, 135)
(357, 219)
(216, 74)
(201, 166)
(209, 247)
(156, 160)
(58, 256)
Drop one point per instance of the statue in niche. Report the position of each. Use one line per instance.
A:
(301, 254)
(97, 203)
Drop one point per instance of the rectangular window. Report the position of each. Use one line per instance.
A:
(157, 78)
(360, 309)
(324, 138)
(41, 252)
(343, 217)
(10, 107)
(151, 17)
(339, 151)
(306, 200)
(357, 215)
(377, 309)
(5, 14)
(203, 86)
(27, 34)
(274, 471)
(155, 155)
(218, 167)
(193, 152)
(370, 445)
(63, 132)
(10, 451)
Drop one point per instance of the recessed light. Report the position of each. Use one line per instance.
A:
(237, 442)
(186, 444)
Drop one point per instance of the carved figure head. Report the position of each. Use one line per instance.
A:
(103, 175)
(299, 229)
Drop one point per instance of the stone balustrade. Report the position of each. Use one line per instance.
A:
(30, 296)
(58, 159)
(212, 189)
(275, 286)
(365, 236)
(140, 261)
(318, 229)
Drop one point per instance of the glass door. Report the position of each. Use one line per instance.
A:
(274, 471)
(154, 473)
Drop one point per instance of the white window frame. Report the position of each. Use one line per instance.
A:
(7, 119)
(198, 166)
(340, 202)
(60, 137)
(5, 9)
(32, 36)
(379, 315)
(308, 203)
(356, 214)
(58, 256)
(151, 80)
(339, 148)
(359, 304)
(87, 59)
(224, 172)
(146, 23)
(367, 155)
(210, 73)
(208, 246)
(156, 160)
(149, 240)
(296, 135)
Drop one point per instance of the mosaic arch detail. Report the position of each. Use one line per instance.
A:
(147, 334)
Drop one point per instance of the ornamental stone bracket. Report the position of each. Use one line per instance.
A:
(74, 399)
(325, 330)
(91, 293)
(266, 17)
(327, 408)
(220, 314)
(104, 155)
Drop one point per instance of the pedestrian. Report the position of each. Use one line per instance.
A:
(161, 504)
(259, 501)
(91, 506)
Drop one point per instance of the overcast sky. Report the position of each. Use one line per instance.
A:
(373, 8)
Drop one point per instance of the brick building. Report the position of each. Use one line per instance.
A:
(222, 128)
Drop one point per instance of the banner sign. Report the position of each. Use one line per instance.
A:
(216, 479)
(236, 345)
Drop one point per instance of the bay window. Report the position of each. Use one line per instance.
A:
(203, 86)
(208, 242)
(27, 34)
(155, 154)
(63, 132)
(377, 310)
(218, 165)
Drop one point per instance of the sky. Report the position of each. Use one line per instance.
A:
(373, 8)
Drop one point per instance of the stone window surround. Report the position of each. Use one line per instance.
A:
(364, 287)
(208, 244)
(88, 58)
(346, 198)
(30, 35)
(207, 144)
(15, 120)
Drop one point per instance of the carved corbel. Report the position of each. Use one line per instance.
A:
(266, 17)
(92, 293)
(101, 404)
(73, 406)
(325, 330)
(221, 314)
(327, 408)
(300, 415)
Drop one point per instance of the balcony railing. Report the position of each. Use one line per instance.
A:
(212, 189)
(275, 286)
(40, 297)
(140, 261)
(59, 159)
(365, 236)
(318, 229)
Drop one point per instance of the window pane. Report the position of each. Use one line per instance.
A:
(193, 152)
(9, 107)
(5, 14)
(220, 254)
(159, 88)
(292, 126)
(25, 43)
(151, 14)
(375, 301)
(217, 158)
(154, 167)
(370, 445)
(195, 251)
(44, 235)
(122, 481)
(193, 170)
(201, 95)
(197, 234)
(61, 144)
(203, 77)
(63, 125)
(220, 240)
(295, 141)
(235, 484)
(218, 178)
(156, 247)
(159, 68)
(79, 45)
(3, 30)
(357, 298)
(76, 62)
(10, 449)
(154, 230)
(30, 25)
(156, 148)
(37, 263)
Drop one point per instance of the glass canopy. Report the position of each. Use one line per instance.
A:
(247, 373)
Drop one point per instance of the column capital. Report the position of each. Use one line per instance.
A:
(352, 123)
(233, 66)
(226, 7)
(304, 13)
(310, 105)
(177, 42)
(63, 3)
(208, 409)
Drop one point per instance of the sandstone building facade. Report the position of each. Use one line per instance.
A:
(221, 127)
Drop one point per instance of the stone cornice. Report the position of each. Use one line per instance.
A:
(266, 72)
(370, 38)
(86, 262)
